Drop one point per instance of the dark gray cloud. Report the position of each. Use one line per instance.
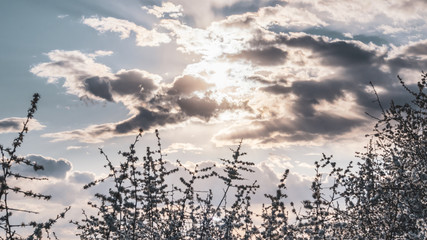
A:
(276, 89)
(278, 130)
(134, 82)
(355, 67)
(99, 87)
(127, 82)
(260, 79)
(146, 119)
(309, 93)
(418, 48)
(333, 53)
(188, 84)
(9, 124)
(328, 125)
(266, 56)
(325, 124)
(56, 168)
(410, 58)
(201, 107)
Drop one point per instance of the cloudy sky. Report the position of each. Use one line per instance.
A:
(290, 78)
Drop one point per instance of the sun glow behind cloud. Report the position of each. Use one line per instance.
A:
(271, 80)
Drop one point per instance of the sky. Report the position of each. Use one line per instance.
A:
(291, 79)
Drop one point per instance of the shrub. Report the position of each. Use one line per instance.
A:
(384, 197)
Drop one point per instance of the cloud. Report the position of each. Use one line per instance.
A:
(81, 177)
(276, 89)
(182, 147)
(189, 40)
(361, 12)
(285, 131)
(267, 56)
(57, 168)
(87, 79)
(147, 119)
(75, 67)
(62, 16)
(166, 9)
(290, 16)
(188, 84)
(331, 52)
(339, 74)
(99, 87)
(150, 101)
(298, 186)
(390, 30)
(200, 12)
(15, 124)
(75, 147)
(416, 48)
(195, 106)
(135, 82)
(303, 85)
(90, 134)
(144, 37)
(276, 162)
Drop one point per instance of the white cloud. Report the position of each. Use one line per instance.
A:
(305, 165)
(201, 11)
(167, 8)
(100, 53)
(81, 177)
(74, 66)
(144, 37)
(190, 40)
(278, 162)
(90, 134)
(182, 147)
(386, 29)
(75, 147)
(288, 16)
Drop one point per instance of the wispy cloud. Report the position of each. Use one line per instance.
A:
(144, 37)
(166, 9)
(62, 16)
(182, 147)
(75, 147)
